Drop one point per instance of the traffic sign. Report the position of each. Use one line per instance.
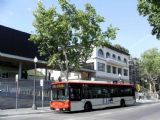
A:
(41, 82)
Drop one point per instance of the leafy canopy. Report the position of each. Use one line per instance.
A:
(67, 39)
(150, 65)
(151, 10)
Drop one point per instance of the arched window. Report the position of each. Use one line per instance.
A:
(108, 55)
(100, 53)
(114, 56)
(125, 60)
(119, 58)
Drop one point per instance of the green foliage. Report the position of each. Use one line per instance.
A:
(111, 33)
(117, 46)
(150, 60)
(138, 87)
(67, 39)
(121, 48)
(149, 66)
(151, 9)
(32, 73)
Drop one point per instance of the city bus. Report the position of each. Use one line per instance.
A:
(88, 95)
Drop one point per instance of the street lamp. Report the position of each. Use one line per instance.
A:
(34, 107)
(119, 77)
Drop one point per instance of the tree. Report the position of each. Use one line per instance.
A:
(138, 87)
(149, 66)
(151, 9)
(67, 39)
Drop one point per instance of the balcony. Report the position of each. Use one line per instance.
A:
(116, 62)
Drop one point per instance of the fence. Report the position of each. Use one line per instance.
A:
(8, 89)
(25, 89)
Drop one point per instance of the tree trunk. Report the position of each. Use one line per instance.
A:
(66, 63)
(154, 87)
(150, 87)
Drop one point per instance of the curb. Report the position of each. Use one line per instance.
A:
(147, 102)
(22, 113)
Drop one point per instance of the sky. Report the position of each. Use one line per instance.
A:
(134, 33)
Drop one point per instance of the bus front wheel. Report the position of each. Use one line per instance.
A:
(88, 107)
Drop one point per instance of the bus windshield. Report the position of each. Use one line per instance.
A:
(59, 92)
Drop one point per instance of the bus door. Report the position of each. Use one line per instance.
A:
(75, 96)
(107, 99)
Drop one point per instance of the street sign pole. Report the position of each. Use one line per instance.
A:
(16, 78)
(42, 85)
(42, 97)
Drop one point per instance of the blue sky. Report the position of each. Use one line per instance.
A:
(134, 33)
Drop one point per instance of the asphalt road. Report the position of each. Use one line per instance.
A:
(142, 112)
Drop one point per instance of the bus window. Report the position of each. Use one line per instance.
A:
(106, 93)
(54, 94)
(126, 91)
(114, 91)
(96, 91)
(87, 93)
(93, 91)
(59, 92)
(75, 94)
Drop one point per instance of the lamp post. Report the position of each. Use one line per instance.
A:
(119, 77)
(34, 107)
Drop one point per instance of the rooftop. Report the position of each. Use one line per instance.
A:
(14, 42)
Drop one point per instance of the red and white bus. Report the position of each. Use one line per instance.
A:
(88, 95)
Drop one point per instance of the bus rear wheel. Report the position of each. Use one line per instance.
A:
(122, 104)
(88, 107)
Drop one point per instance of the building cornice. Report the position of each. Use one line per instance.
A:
(20, 58)
(116, 49)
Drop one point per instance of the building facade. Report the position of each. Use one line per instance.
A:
(134, 76)
(110, 64)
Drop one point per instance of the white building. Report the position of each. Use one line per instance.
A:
(105, 64)
(110, 64)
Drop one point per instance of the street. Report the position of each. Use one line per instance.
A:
(141, 112)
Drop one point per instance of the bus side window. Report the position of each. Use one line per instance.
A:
(114, 92)
(106, 93)
(75, 94)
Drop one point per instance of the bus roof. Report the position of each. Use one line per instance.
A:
(92, 82)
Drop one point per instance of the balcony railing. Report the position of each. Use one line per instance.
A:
(114, 61)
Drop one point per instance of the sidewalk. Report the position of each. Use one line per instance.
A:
(147, 101)
(23, 111)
